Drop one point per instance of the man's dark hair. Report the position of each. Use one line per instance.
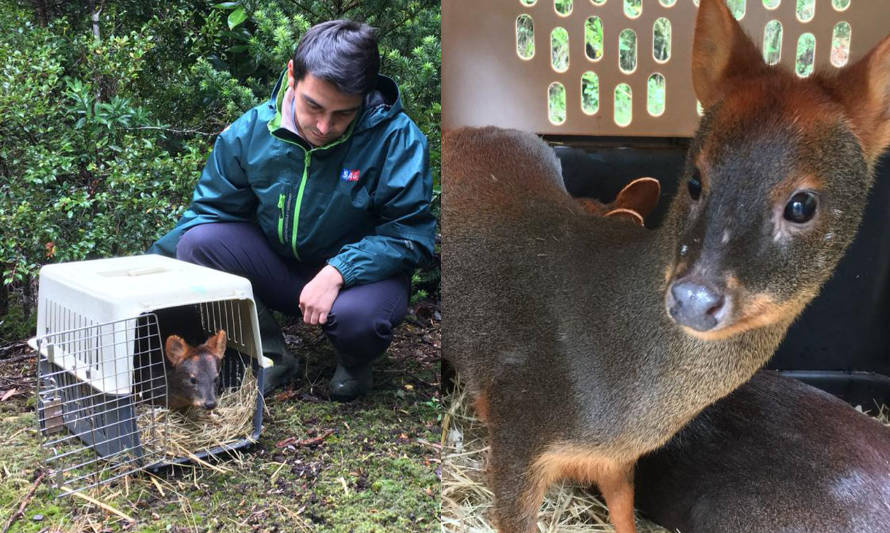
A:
(342, 52)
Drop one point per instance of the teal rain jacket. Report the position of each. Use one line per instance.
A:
(360, 203)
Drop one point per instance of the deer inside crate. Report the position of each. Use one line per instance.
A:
(588, 342)
(104, 372)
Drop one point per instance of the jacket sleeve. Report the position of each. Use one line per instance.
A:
(222, 193)
(404, 235)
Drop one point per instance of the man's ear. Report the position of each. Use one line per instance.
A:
(290, 73)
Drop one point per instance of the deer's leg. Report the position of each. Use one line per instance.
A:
(518, 492)
(578, 462)
(616, 484)
(481, 405)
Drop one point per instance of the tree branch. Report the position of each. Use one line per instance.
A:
(353, 5)
(175, 130)
(11, 347)
(303, 7)
(20, 512)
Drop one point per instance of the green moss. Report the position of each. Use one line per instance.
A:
(375, 471)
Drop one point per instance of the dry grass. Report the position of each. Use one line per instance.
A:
(466, 501)
(883, 415)
(186, 432)
(377, 471)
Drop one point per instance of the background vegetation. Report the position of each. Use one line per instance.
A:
(110, 107)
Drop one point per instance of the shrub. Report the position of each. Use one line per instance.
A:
(104, 138)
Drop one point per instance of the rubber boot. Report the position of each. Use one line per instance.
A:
(286, 366)
(351, 379)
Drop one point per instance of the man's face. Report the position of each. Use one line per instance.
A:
(321, 111)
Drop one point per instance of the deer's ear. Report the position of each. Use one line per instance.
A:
(176, 350)
(217, 344)
(720, 51)
(864, 90)
(640, 195)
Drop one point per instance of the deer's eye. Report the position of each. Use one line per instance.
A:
(694, 185)
(193, 380)
(800, 208)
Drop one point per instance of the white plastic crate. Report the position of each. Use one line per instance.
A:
(101, 327)
(89, 293)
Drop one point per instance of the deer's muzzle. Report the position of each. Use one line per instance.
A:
(696, 304)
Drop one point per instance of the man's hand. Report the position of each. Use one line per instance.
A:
(319, 294)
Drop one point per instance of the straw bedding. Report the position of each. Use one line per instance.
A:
(194, 429)
(466, 501)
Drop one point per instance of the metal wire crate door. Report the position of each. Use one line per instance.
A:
(93, 384)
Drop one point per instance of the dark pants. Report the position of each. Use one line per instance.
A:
(362, 318)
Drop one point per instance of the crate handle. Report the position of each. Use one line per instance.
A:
(133, 272)
(145, 271)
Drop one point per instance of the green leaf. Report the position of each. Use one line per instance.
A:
(237, 17)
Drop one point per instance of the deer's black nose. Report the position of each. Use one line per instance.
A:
(695, 304)
(210, 404)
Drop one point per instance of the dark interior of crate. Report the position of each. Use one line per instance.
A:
(841, 342)
(186, 322)
(105, 422)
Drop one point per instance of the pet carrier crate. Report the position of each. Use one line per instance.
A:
(608, 83)
(102, 381)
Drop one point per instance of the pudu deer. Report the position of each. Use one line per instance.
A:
(775, 455)
(587, 342)
(193, 376)
(186, 372)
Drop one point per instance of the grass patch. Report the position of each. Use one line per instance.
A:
(368, 466)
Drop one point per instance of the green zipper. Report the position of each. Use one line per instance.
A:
(281, 198)
(293, 237)
(307, 160)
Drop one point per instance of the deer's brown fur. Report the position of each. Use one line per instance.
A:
(565, 320)
(193, 373)
(774, 455)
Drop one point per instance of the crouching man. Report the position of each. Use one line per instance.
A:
(321, 198)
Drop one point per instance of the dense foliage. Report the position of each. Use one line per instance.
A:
(107, 120)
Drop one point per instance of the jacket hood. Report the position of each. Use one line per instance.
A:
(380, 105)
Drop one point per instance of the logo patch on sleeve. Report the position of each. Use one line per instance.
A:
(349, 174)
